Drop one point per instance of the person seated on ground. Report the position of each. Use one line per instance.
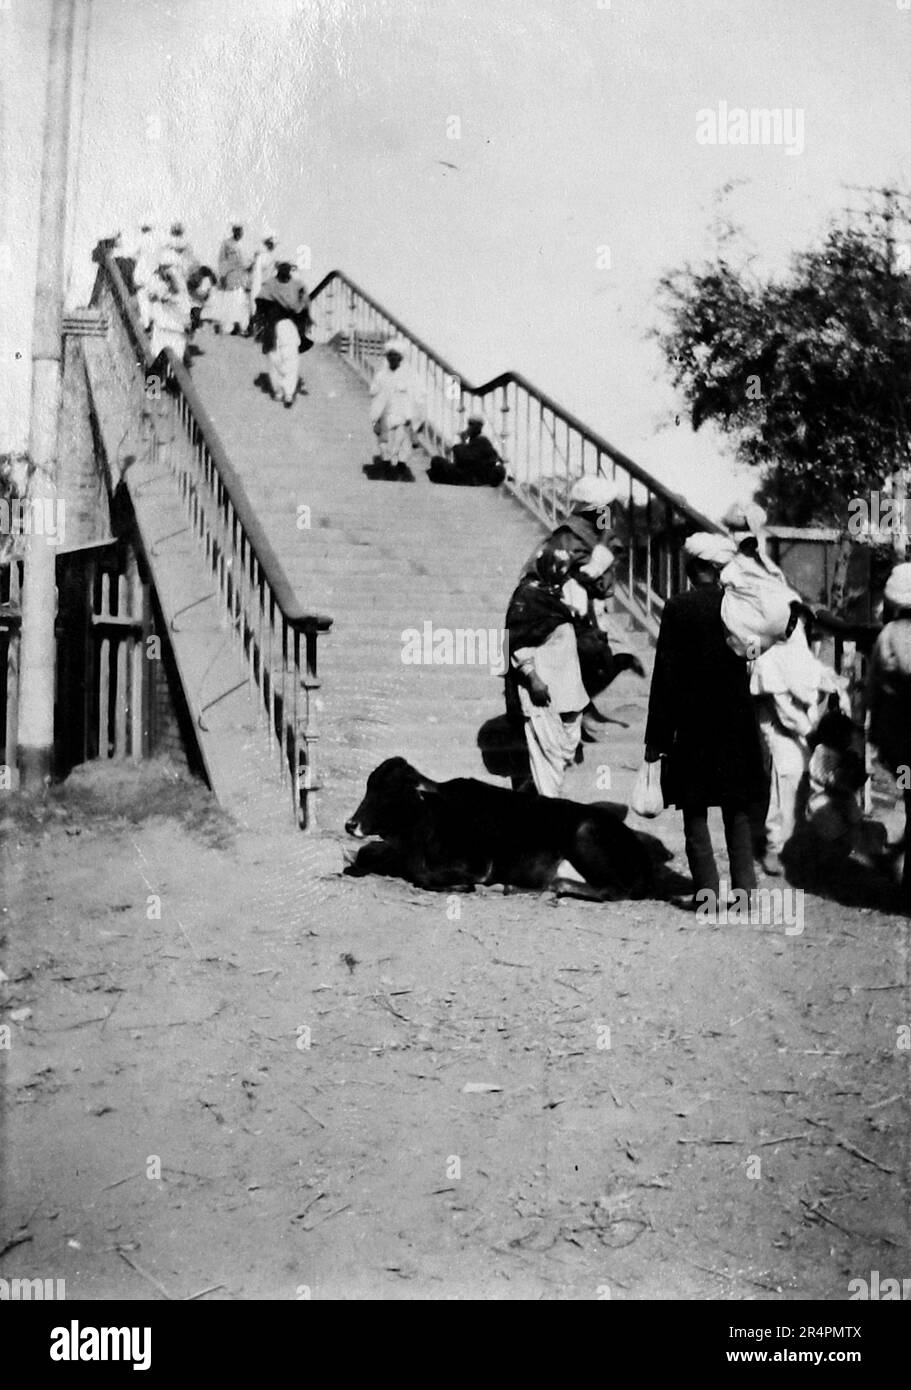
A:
(833, 837)
(397, 406)
(284, 307)
(544, 679)
(475, 462)
(889, 699)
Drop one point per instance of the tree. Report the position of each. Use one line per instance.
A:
(810, 373)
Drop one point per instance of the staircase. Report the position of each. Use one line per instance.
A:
(266, 545)
(382, 558)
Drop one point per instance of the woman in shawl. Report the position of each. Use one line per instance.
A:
(544, 680)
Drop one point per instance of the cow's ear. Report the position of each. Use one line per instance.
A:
(425, 788)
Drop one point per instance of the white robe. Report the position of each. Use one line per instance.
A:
(552, 731)
(170, 316)
(145, 255)
(263, 269)
(284, 360)
(397, 410)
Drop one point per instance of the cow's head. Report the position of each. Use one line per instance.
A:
(396, 792)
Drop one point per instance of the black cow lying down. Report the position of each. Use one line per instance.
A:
(454, 835)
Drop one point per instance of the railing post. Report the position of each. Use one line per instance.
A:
(330, 309)
(305, 733)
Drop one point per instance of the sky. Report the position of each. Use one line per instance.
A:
(571, 125)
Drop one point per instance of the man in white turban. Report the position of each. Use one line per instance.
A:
(263, 267)
(284, 306)
(397, 405)
(144, 252)
(710, 547)
(169, 305)
(233, 276)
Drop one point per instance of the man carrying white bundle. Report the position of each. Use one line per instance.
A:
(284, 307)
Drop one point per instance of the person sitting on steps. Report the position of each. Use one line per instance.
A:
(475, 462)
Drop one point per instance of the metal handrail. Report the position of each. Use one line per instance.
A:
(541, 467)
(281, 586)
(277, 634)
(505, 379)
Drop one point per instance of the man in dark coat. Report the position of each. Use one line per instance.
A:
(701, 718)
(475, 462)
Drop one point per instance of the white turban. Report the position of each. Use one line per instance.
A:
(898, 586)
(396, 345)
(594, 491)
(746, 516)
(710, 547)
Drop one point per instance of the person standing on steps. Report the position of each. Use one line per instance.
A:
(179, 243)
(284, 306)
(397, 406)
(233, 268)
(702, 722)
(263, 267)
(144, 264)
(169, 306)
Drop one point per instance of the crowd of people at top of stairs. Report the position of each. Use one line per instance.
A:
(254, 293)
(260, 294)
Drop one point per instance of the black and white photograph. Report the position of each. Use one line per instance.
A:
(455, 660)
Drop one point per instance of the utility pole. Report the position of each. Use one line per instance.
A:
(39, 594)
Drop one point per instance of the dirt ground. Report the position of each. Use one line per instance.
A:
(288, 1087)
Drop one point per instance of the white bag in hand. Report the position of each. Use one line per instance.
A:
(647, 798)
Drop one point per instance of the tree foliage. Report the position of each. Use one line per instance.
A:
(809, 374)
